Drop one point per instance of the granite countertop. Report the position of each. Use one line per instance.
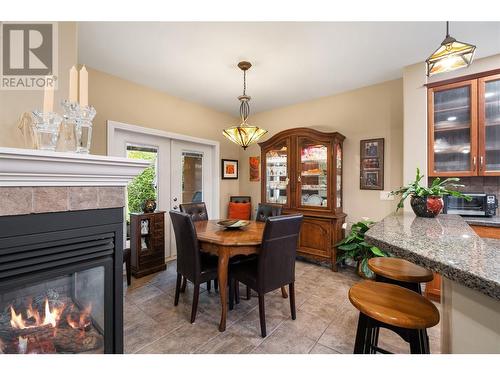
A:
(486, 221)
(445, 244)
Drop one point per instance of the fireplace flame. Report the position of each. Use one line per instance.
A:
(82, 321)
(51, 318)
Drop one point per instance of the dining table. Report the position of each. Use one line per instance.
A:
(226, 243)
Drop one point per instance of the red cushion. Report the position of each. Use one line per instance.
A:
(240, 210)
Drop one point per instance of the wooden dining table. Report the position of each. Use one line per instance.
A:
(227, 243)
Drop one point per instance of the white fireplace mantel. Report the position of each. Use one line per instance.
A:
(25, 167)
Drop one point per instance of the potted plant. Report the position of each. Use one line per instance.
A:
(428, 201)
(354, 247)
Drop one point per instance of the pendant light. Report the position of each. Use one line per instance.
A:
(244, 134)
(451, 55)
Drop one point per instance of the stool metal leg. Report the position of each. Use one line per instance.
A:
(363, 335)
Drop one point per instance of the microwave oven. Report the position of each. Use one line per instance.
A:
(481, 204)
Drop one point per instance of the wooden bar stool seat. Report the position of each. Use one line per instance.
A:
(403, 311)
(400, 270)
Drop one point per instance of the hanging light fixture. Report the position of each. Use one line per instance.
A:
(451, 55)
(244, 134)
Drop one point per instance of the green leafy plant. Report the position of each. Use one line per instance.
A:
(438, 188)
(142, 187)
(354, 247)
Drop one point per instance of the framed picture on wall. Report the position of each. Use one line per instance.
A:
(229, 169)
(254, 162)
(372, 164)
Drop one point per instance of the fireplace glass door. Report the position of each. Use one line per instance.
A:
(63, 313)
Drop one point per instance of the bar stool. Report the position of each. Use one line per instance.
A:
(400, 272)
(398, 309)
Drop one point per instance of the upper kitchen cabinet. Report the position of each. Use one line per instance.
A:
(464, 128)
(489, 126)
(453, 129)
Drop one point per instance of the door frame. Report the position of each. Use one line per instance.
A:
(112, 126)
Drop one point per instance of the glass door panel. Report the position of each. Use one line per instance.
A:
(338, 187)
(491, 153)
(452, 129)
(313, 178)
(277, 174)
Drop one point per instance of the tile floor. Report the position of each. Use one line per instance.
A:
(325, 324)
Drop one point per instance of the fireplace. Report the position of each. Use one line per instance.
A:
(61, 282)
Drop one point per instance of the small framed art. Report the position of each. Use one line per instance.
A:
(254, 164)
(372, 164)
(229, 169)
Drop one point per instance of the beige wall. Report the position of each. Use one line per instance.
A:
(121, 100)
(14, 103)
(415, 109)
(370, 112)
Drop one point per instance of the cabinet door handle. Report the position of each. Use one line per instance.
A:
(474, 163)
(481, 163)
(299, 180)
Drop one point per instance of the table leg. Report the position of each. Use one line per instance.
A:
(222, 274)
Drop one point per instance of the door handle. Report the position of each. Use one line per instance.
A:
(175, 199)
(481, 163)
(474, 163)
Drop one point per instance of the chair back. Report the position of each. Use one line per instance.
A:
(188, 251)
(197, 211)
(276, 264)
(240, 199)
(267, 210)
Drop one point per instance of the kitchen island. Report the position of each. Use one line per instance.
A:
(470, 269)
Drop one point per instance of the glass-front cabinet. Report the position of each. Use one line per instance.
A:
(489, 126)
(464, 127)
(276, 173)
(302, 172)
(453, 129)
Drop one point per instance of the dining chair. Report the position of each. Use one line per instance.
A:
(190, 263)
(267, 210)
(275, 264)
(198, 212)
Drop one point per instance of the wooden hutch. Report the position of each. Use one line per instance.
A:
(302, 171)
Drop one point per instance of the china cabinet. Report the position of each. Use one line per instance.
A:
(302, 171)
(464, 127)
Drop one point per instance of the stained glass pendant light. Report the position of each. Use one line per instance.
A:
(451, 55)
(244, 134)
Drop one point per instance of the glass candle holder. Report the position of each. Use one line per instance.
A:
(67, 141)
(84, 128)
(46, 129)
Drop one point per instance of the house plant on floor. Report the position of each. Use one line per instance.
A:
(354, 247)
(428, 201)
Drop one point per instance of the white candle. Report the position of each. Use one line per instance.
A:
(73, 84)
(48, 94)
(84, 86)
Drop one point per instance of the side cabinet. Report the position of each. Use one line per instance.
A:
(147, 243)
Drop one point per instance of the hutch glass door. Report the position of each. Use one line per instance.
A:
(489, 143)
(338, 168)
(276, 174)
(454, 129)
(313, 173)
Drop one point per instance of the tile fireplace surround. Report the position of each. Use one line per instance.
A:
(61, 243)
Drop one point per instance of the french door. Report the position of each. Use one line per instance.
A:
(184, 173)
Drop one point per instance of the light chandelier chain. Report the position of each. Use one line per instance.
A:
(244, 82)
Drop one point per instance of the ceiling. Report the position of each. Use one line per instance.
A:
(292, 61)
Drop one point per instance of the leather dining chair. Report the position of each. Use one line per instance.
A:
(275, 265)
(198, 212)
(190, 263)
(267, 210)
